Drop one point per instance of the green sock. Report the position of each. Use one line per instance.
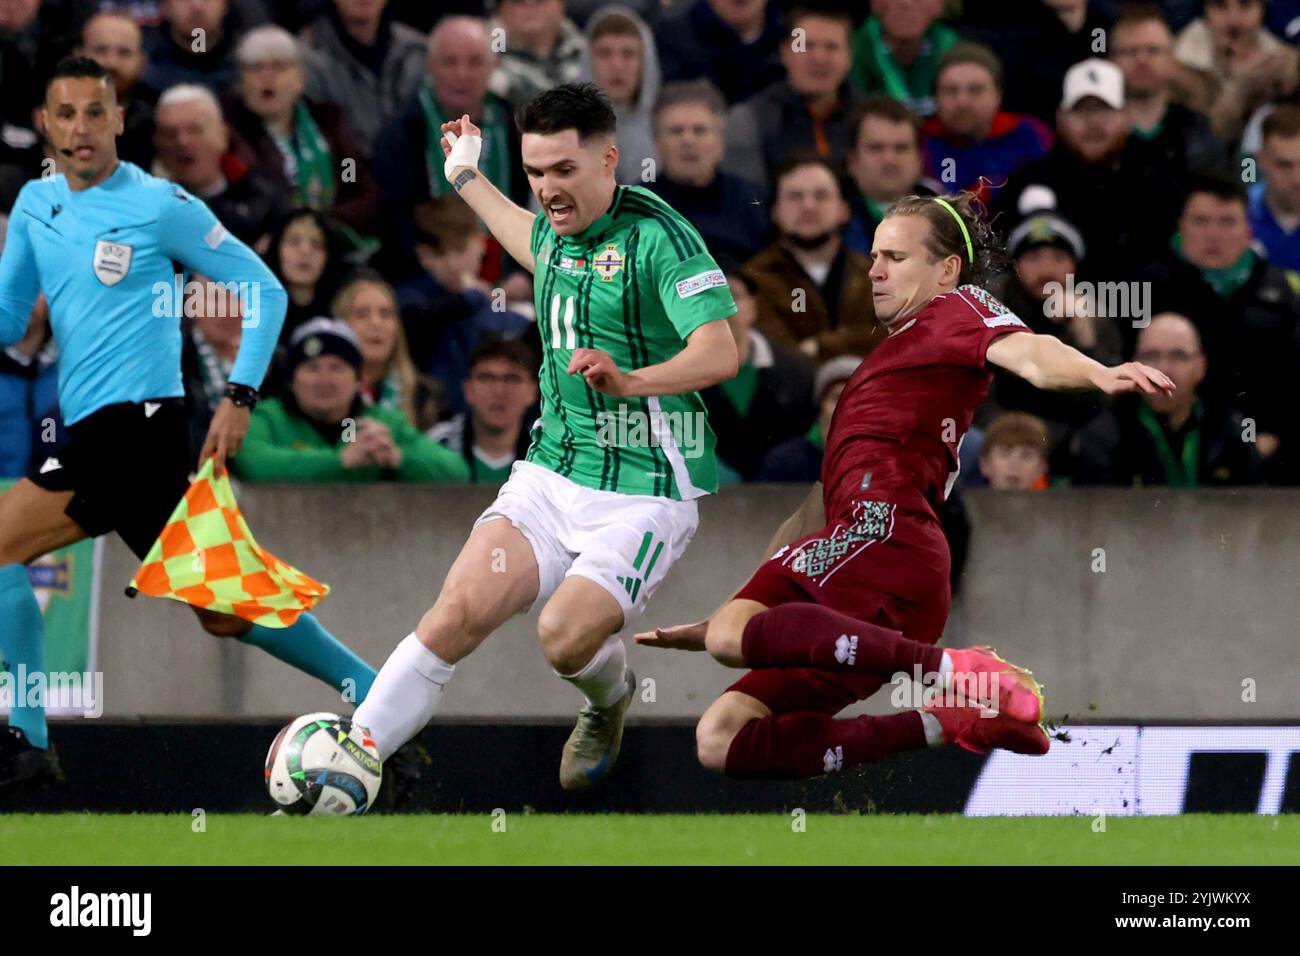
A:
(313, 650)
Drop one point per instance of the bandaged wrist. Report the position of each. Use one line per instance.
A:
(464, 152)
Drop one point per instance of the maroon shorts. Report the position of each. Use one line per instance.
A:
(881, 564)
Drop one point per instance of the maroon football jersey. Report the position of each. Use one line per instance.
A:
(903, 413)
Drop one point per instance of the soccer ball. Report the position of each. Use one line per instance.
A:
(321, 765)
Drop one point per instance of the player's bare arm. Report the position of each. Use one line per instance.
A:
(1048, 363)
(807, 518)
(709, 357)
(512, 226)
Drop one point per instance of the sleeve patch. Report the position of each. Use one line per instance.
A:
(216, 236)
(699, 283)
(1010, 318)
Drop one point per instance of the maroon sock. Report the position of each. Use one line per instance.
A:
(786, 746)
(809, 635)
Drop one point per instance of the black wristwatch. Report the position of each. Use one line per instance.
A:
(243, 396)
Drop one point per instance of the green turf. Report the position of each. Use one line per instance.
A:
(617, 839)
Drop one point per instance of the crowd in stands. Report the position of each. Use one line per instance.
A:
(1141, 160)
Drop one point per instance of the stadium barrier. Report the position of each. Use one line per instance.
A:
(1131, 606)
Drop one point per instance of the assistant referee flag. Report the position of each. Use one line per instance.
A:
(206, 556)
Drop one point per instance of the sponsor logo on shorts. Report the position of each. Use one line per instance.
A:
(846, 649)
(700, 283)
(833, 760)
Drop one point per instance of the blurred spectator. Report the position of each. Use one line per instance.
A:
(322, 430)
(28, 391)
(898, 49)
(543, 48)
(1178, 138)
(1036, 40)
(1275, 202)
(116, 43)
(1237, 64)
(1096, 176)
(812, 108)
(389, 378)
(408, 158)
(303, 147)
(1046, 251)
(814, 293)
(770, 399)
(192, 140)
(732, 43)
(1245, 311)
(500, 390)
(799, 460)
(34, 36)
(306, 260)
(730, 214)
(448, 310)
(1014, 453)
(210, 333)
(1174, 440)
(885, 164)
(621, 59)
(194, 43)
(365, 63)
(970, 142)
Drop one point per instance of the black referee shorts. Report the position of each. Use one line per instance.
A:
(128, 466)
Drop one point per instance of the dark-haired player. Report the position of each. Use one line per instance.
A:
(631, 311)
(98, 240)
(855, 587)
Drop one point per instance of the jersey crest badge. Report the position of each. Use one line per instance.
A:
(112, 260)
(608, 263)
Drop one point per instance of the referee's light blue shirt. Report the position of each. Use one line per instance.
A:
(104, 257)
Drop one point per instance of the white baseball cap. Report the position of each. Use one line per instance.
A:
(1094, 77)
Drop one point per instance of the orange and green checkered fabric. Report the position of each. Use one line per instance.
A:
(206, 556)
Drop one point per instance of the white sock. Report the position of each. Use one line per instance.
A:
(404, 696)
(933, 729)
(602, 679)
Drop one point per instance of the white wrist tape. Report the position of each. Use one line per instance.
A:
(464, 152)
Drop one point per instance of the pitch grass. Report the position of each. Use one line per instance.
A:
(170, 839)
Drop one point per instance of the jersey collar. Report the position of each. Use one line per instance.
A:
(600, 225)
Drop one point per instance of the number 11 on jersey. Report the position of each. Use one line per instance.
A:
(570, 333)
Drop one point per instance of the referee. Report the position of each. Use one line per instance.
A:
(98, 240)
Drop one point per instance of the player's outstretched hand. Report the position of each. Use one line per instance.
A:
(599, 371)
(461, 143)
(226, 433)
(681, 637)
(1135, 377)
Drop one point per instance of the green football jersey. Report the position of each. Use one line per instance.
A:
(634, 284)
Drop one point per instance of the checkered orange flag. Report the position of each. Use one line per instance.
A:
(206, 556)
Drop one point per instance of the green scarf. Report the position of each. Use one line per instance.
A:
(913, 85)
(1225, 281)
(313, 164)
(815, 436)
(1179, 473)
(493, 162)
